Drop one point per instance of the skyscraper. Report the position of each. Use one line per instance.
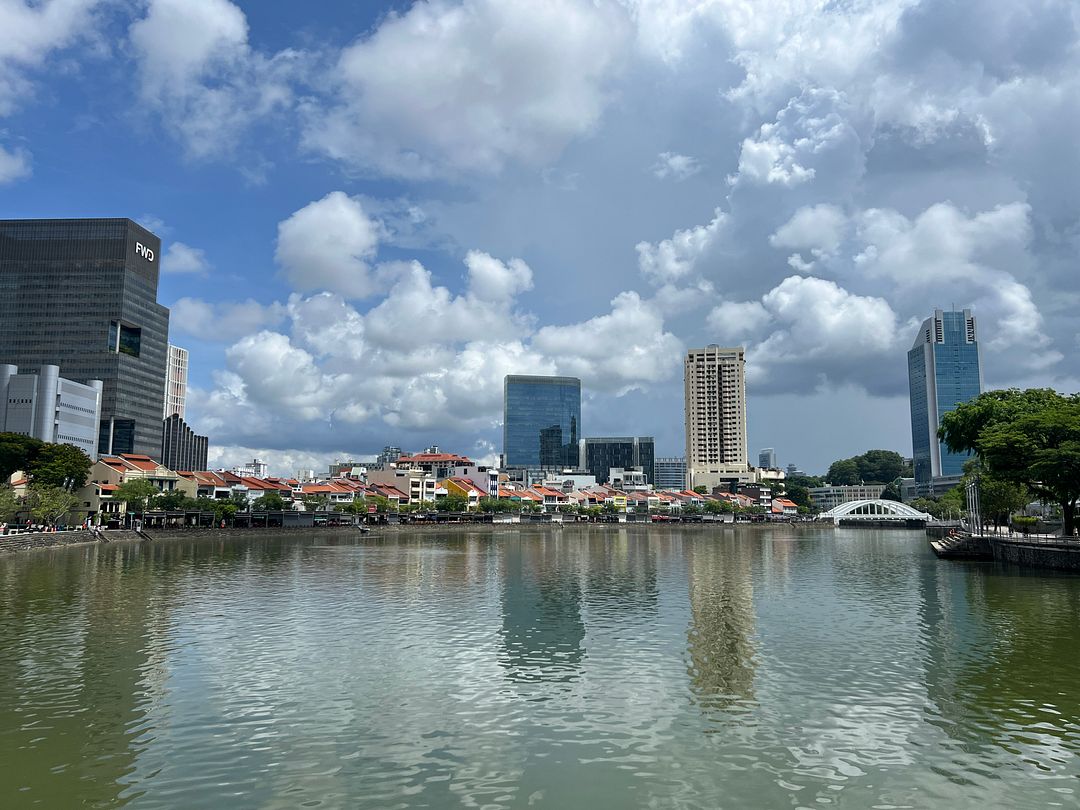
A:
(176, 374)
(82, 294)
(943, 372)
(670, 473)
(541, 421)
(599, 456)
(766, 458)
(715, 393)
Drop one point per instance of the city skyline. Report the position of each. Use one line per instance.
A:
(354, 256)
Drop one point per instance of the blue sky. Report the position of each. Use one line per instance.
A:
(370, 213)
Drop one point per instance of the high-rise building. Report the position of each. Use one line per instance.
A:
(541, 421)
(715, 394)
(766, 459)
(600, 456)
(176, 373)
(48, 407)
(670, 473)
(181, 447)
(943, 372)
(82, 294)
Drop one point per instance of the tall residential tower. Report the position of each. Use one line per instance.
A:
(81, 294)
(715, 389)
(176, 375)
(943, 372)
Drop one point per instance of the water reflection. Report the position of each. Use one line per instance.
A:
(542, 628)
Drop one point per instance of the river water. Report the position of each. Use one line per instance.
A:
(546, 668)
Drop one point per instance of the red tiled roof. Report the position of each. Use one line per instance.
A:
(467, 485)
(140, 461)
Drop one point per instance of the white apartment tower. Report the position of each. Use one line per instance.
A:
(176, 382)
(715, 386)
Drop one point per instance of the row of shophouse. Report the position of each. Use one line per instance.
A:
(413, 481)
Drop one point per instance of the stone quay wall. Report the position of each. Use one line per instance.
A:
(1064, 556)
(25, 542)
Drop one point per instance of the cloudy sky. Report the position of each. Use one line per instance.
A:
(371, 214)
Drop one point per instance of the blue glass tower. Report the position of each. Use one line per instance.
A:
(541, 421)
(943, 372)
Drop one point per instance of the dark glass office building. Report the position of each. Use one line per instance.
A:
(541, 422)
(600, 456)
(82, 294)
(943, 372)
(181, 447)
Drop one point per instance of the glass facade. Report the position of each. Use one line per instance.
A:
(600, 456)
(541, 421)
(670, 473)
(82, 294)
(943, 372)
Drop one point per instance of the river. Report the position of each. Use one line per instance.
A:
(563, 668)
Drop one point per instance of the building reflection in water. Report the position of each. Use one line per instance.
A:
(542, 628)
(720, 650)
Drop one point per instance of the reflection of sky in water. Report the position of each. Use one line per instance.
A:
(566, 668)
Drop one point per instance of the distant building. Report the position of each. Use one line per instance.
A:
(943, 372)
(50, 408)
(305, 476)
(181, 447)
(388, 456)
(715, 415)
(793, 470)
(438, 465)
(599, 456)
(82, 293)
(767, 458)
(670, 473)
(628, 479)
(541, 422)
(176, 377)
(826, 498)
(253, 469)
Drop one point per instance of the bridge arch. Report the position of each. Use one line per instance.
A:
(875, 510)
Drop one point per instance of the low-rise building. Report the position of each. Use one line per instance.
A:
(418, 485)
(829, 497)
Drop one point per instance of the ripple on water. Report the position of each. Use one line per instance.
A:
(564, 669)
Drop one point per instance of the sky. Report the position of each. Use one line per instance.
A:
(371, 213)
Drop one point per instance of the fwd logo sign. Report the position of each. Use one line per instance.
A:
(144, 251)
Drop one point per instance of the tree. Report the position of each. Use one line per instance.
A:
(136, 494)
(173, 501)
(701, 490)
(9, 504)
(844, 472)
(691, 509)
(59, 465)
(454, 503)
(892, 492)
(798, 494)
(49, 504)
(271, 502)
(808, 481)
(17, 452)
(1030, 438)
(316, 502)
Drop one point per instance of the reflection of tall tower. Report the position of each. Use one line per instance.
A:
(722, 618)
(542, 627)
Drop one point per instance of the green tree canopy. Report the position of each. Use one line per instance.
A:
(454, 503)
(173, 501)
(136, 494)
(9, 504)
(271, 502)
(17, 452)
(49, 504)
(872, 467)
(60, 465)
(1029, 438)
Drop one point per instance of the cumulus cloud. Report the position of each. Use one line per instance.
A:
(197, 71)
(222, 321)
(15, 164)
(675, 166)
(676, 258)
(807, 332)
(444, 88)
(327, 245)
(181, 258)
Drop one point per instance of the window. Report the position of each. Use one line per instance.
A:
(125, 339)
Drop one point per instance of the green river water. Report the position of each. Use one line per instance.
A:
(543, 668)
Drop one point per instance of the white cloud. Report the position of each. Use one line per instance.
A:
(196, 69)
(181, 258)
(736, 321)
(818, 228)
(444, 88)
(222, 321)
(675, 166)
(676, 258)
(32, 30)
(15, 164)
(327, 245)
(283, 463)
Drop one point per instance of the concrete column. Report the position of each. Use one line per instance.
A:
(48, 384)
(7, 371)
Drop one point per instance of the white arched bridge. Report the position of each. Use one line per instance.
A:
(875, 511)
